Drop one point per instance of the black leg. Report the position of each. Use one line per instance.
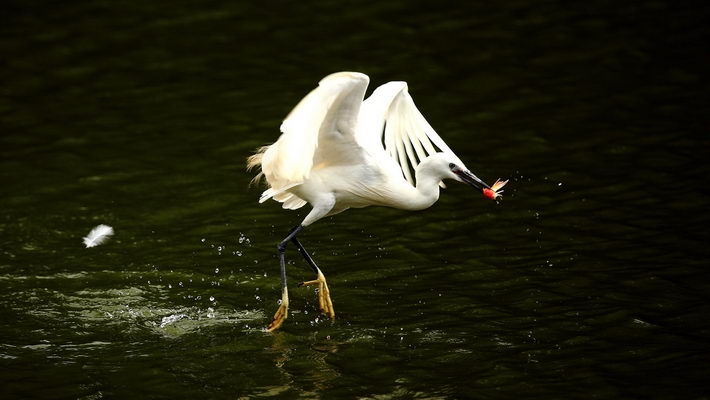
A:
(326, 305)
(282, 251)
(282, 312)
(305, 254)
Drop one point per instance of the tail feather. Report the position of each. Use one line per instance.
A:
(254, 161)
(281, 194)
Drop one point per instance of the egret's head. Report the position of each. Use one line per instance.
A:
(461, 174)
(441, 166)
(448, 166)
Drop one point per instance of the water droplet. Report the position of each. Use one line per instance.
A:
(216, 270)
(211, 298)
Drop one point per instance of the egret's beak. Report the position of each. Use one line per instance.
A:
(471, 179)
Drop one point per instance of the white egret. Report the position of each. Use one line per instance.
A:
(337, 151)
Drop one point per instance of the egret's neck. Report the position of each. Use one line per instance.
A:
(427, 191)
(428, 180)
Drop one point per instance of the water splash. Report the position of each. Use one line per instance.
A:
(171, 319)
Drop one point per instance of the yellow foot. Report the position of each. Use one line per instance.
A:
(281, 313)
(326, 305)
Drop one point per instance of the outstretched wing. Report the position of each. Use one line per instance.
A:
(317, 132)
(408, 137)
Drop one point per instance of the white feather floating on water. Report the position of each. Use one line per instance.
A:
(98, 235)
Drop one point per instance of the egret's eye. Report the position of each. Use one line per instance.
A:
(452, 165)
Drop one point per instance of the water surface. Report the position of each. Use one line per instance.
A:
(589, 280)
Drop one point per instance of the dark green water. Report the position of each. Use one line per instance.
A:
(590, 280)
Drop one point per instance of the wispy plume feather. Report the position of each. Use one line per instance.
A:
(98, 235)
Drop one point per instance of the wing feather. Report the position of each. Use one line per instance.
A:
(315, 132)
(408, 137)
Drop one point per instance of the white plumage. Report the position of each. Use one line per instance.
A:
(98, 235)
(339, 151)
(333, 137)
